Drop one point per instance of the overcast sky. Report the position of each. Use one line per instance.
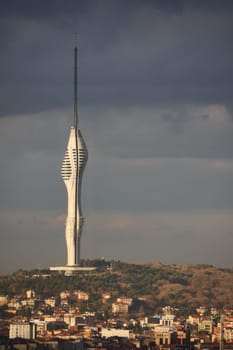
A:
(156, 112)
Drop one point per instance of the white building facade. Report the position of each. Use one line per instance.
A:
(25, 330)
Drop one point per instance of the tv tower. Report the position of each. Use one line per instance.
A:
(72, 170)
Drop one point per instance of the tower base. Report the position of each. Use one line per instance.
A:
(69, 270)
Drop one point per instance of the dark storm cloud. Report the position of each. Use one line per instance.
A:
(38, 9)
(155, 107)
(151, 53)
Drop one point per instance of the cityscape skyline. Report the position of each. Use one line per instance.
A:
(155, 102)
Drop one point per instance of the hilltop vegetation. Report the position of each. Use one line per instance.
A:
(150, 285)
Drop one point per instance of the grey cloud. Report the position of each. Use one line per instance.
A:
(136, 159)
(124, 235)
(52, 8)
(148, 54)
(162, 132)
(34, 145)
(27, 236)
(49, 9)
(161, 185)
(152, 232)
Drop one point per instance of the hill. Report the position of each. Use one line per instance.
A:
(150, 285)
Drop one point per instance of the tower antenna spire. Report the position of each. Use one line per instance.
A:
(75, 118)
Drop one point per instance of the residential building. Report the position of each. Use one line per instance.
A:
(50, 301)
(30, 294)
(125, 300)
(118, 308)
(25, 330)
(206, 325)
(114, 332)
(81, 295)
(164, 336)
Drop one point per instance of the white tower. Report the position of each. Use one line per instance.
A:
(72, 171)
